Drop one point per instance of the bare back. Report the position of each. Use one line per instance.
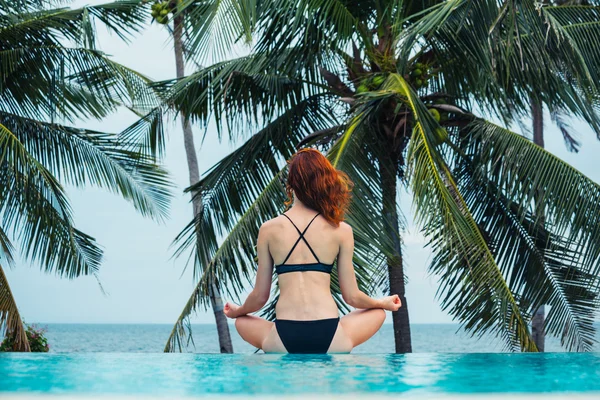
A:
(304, 295)
(302, 246)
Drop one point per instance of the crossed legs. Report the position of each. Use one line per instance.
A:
(354, 329)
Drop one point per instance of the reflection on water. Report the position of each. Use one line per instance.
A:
(424, 370)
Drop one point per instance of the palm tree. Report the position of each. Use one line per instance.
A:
(387, 90)
(160, 13)
(537, 117)
(530, 16)
(537, 321)
(52, 74)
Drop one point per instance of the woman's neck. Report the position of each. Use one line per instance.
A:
(299, 206)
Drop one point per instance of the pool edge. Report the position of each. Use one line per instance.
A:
(357, 396)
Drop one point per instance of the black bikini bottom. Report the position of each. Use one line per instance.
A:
(307, 337)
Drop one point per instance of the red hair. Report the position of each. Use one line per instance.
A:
(318, 185)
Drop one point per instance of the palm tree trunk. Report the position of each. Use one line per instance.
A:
(389, 168)
(194, 173)
(537, 322)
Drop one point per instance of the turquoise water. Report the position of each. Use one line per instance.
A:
(199, 374)
(145, 338)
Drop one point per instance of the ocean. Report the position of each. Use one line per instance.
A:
(151, 338)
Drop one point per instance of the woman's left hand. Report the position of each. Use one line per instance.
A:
(231, 310)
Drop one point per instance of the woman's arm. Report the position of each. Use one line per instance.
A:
(262, 288)
(350, 291)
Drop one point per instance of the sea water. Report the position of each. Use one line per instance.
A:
(147, 338)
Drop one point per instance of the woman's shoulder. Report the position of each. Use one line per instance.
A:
(279, 222)
(345, 229)
(342, 230)
(271, 224)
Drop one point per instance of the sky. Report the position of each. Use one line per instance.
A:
(142, 281)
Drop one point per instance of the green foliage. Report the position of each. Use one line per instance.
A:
(50, 70)
(36, 337)
(476, 186)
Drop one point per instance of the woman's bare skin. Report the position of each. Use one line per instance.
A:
(306, 295)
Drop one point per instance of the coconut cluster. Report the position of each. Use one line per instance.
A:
(420, 73)
(161, 10)
(441, 134)
(371, 83)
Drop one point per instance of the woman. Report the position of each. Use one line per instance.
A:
(307, 316)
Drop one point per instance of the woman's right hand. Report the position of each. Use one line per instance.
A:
(391, 303)
(231, 310)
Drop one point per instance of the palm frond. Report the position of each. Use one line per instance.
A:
(559, 118)
(570, 201)
(181, 334)
(321, 25)
(358, 156)
(42, 76)
(35, 206)
(82, 157)
(541, 267)
(230, 186)
(239, 92)
(520, 51)
(6, 248)
(10, 320)
(473, 282)
(16, 6)
(233, 264)
(146, 136)
(575, 28)
(49, 27)
(46, 82)
(212, 28)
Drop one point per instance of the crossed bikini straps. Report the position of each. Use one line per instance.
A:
(318, 266)
(301, 237)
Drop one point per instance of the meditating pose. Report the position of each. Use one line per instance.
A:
(303, 244)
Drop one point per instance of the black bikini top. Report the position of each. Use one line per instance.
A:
(318, 266)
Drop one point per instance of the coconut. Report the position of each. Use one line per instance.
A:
(418, 83)
(164, 12)
(417, 72)
(435, 113)
(162, 20)
(362, 88)
(378, 80)
(441, 135)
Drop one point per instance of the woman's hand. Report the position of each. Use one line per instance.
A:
(231, 310)
(391, 303)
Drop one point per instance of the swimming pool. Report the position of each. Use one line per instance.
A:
(184, 375)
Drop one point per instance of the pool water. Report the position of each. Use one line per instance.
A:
(202, 374)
